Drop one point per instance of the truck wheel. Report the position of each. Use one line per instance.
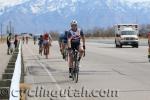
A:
(133, 46)
(120, 46)
(137, 46)
(117, 46)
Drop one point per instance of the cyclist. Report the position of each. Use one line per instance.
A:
(23, 39)
(27, 38)
(40, 44)
(75, 35)
(47, 43)
(11, 48)
(63, 43)
(16, 41)
(34, 39)
(149, 44)
(8, 42)
(60, 40)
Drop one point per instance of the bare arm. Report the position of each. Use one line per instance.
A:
(83, 40)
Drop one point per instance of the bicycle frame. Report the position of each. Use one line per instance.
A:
(75, 71)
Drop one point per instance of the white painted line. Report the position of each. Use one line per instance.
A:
(49, 73)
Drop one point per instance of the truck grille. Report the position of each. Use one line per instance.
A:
(129, 38)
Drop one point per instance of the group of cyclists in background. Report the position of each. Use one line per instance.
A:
(71, 43)
(25, 39)
(45, 42)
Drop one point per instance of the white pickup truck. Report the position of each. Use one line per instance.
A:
(126, 34)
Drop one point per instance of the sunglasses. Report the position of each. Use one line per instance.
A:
(73, 25)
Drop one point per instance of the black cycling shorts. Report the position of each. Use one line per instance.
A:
(149, 43)
(75, 45)
(8, 44)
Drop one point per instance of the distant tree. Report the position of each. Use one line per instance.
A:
(55, 35)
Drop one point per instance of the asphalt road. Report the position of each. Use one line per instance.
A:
(106, 73)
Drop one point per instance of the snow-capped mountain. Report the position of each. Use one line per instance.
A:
(45, 15)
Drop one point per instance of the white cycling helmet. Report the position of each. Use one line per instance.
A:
(74, 22)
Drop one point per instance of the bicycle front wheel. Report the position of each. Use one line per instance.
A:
(76, 76)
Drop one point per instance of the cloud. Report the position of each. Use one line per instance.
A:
(4, 3)
(134, 1)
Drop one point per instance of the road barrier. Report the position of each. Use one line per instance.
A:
(15, 82)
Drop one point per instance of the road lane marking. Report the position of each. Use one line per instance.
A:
(49, 73)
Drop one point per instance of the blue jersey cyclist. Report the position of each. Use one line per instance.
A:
(63, 40)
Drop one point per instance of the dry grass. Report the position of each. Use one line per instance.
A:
(23, 88)
(3, 40)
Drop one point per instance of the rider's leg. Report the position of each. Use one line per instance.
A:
(47, 51)
(81, 51)
(44, 49)
(60, 46)
(63, 50)
(39, 49)
(8, 48)
(44, 45)
(70, 63)
(65, 47)
(48, 47)
(149, 50)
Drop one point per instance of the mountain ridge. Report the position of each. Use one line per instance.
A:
(37, 16)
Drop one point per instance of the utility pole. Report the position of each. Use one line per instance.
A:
(10, 27)
(136, 19)
(7, 29)
(1, 31)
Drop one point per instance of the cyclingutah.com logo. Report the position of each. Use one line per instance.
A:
(4, 92)
(41, 92)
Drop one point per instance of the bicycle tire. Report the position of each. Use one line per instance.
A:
(66, 55)
(76, 69)
(76, 76)
(73, 70)
(72, 74)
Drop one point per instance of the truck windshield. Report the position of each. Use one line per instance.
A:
(127, 33)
